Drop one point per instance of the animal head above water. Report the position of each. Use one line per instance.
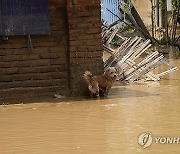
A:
(111, 72)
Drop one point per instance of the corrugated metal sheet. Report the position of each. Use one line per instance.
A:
(112, 5)
(24, 17)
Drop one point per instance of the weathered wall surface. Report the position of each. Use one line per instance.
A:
(144, 9)
(58, 60)
(85, 43)
(45, 67)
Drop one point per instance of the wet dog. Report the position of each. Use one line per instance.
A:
(101, 83)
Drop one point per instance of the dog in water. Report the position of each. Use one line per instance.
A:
(101, 83)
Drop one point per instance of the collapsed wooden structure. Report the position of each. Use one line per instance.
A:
(132, 57)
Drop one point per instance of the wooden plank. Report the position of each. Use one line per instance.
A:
(167, 72)
(148, 68)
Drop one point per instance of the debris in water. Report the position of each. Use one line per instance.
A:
(131, 56)
(59, 96)
(130, 53)
(4, 104)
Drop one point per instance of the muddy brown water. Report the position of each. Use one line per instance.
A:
(90, 126)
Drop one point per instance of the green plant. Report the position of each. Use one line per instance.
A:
(175, 4)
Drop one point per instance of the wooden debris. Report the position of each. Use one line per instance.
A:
(127, 56)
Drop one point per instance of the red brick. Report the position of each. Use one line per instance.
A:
(97, 1)
(85, 60)
(33, 57)
(94, 7)
(49, 56)
(81, 25)
(58, 61)
(62, 67)
(57, 2)
(5, 64)
(11, 58)
(73, 48)
(82, 48)
(97, 25)
(5, 85)
(48, 69)
(78, 54)
(59, 82)
(85, 25)
(8, 78)
(94, 31)
(40, 50)
(21, 64)
(97, 36)
(84, 14)
(75, 8)
(97, 54)
(14, 46)
(99, 48)
(84, 20)
(47, 38)
(17, 40)
(34, 83)
(80, 14)
(5, 52)
(20, 51)
(57, 49)
(92, 19)
(86, 37)
(22, 77)
(44, 44)
(96, 12)
(41, 76)
(40, 63)
(76, 43)
(82, 2)
(8, 71)
(59, 75)
(75, 20)
(93, 42)
(72, 38)
(57, 27)
(91, 48)
(14, 58)
(74, 61)
(77, 32)
(28, 70)
(78, 4)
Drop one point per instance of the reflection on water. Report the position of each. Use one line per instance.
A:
(105, 126)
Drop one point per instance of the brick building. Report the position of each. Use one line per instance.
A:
(57, 61)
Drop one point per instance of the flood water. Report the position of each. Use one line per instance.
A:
(104, 126)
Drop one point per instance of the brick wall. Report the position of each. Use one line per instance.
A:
(85, 43)
(58, 60)
(45, 67)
